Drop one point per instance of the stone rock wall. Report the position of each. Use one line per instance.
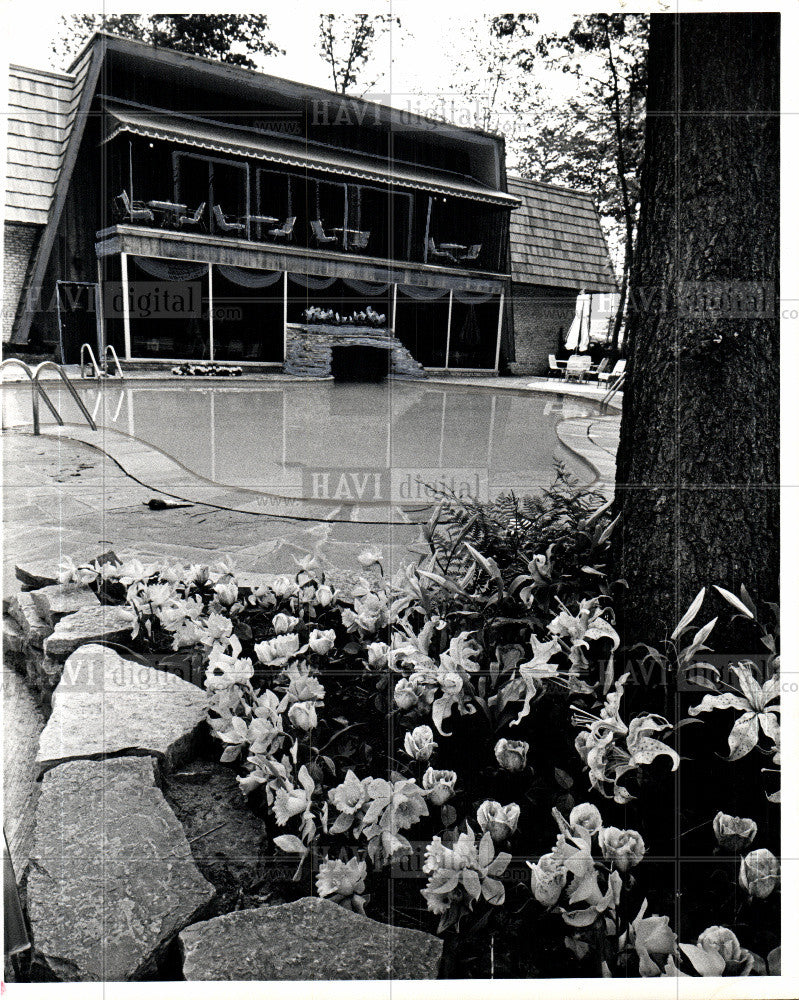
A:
(309, 349)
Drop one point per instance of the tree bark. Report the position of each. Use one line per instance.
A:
(697, 468)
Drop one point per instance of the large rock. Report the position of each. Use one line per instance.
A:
(56, 602)
(111, 879)
(106, 705)
(309, 939)
(106, 622)
(24, 612)
(228, 840)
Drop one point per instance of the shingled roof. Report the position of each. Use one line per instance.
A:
(556, 239)
(41, 111)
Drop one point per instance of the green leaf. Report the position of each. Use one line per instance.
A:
(290, 844)
(733, 600)
(448, 815)
(493, 891)
(563, 779)
(689, 615)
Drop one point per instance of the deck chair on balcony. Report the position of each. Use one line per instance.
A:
(360, 241)
(224, 224)
(133, 211)
(473, 252)
(192, 220)
(439, 254)
(319, 234)
(285, 230)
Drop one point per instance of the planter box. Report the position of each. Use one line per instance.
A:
(309, 348)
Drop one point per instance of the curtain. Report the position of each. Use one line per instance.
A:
(312, 282)
(472, 298)
(424, 294)
(248, 278)
(367, 287)
(171, 270)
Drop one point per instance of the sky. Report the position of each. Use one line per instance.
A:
(420, 58)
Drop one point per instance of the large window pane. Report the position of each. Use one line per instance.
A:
(248, 321)
(168, 315)
(473, 337)
(421, 326)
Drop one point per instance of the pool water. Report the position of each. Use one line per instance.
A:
(358, 442)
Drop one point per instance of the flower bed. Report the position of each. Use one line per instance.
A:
(458, 750)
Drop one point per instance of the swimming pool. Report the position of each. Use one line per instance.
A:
(345, 442)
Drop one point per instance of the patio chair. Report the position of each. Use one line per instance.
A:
(192, 220)
(600, 369)
(442, 254)
(285, 230)
(224, 224)
(473, 252)
(577, 366)
(360, 241)
(556, 366)
(618, 369)
(135, 211)
(319, 233)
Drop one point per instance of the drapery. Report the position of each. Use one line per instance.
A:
(472, 298)
(423, 294)
(248, 278)
(312, 282)
(171, 270)
(367, 287)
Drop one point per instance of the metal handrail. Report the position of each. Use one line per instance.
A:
(36, 391)
(613, 389)
(110, 348)
(83, 349)
(65, 379)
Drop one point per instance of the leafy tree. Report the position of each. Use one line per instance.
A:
(498, 78)
(697, 481)
(347, 44)
(230, 38)
(599, 134)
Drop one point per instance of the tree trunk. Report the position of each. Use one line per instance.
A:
(697, 469)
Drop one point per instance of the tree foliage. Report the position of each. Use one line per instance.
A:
(230, 38)
(347, 44)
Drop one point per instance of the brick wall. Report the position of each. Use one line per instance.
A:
(541, 319)
(19, 243)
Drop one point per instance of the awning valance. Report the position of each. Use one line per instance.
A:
(213, 136)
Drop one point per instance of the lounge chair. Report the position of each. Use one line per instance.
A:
(360, 241)
(577, 366)
(225, 225)
(135, 211)
(192, 220)
(285, 230)
(319, 234)
(618, 369)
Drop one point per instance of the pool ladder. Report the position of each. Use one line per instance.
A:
(94, 369)
(613, 389)
(37, 390)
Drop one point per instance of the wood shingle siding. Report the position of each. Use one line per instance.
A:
(556, 239)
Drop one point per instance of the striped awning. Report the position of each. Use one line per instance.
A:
(249, 142)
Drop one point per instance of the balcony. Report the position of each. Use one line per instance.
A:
(194, 180)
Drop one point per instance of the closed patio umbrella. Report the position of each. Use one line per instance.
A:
(577, 337)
